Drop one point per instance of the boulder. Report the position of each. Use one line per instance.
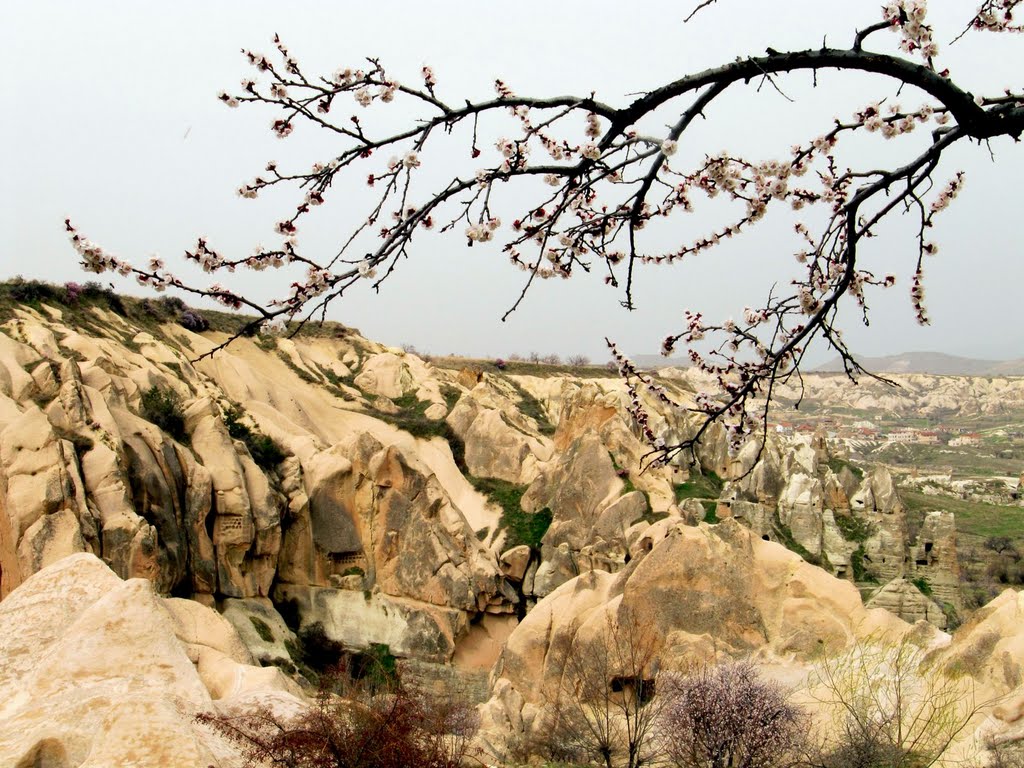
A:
(93, 671)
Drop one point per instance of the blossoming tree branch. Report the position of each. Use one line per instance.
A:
(606, 178)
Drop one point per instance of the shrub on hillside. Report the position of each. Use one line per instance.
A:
(192, 320)
(163, 408)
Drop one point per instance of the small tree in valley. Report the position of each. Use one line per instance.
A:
(728, 717)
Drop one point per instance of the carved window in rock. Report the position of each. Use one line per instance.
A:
(343, 561)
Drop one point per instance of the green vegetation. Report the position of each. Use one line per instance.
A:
(77, 302)
(860, 573)
(837, 465)
(706, 486)
(976, 519)
(451, 395)
(262, 629)
(264, 451)
(520, 527)
(353, 570)
(710, 515)
(853, 528)
(376, 666)
(524, 368)
(532, 407)
(412, 418)
(965, 461)
(922, 584)
(303, 374)
(163, 408)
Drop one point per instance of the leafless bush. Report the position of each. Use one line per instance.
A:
(728, 716)
(606, 709)
(396, 728)
(578, 361)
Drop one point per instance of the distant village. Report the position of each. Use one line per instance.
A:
(868, 431)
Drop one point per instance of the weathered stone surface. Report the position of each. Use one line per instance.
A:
(499, 440)
(93, 671)
(905, 600)
(385, 374)
(514, 562)
(706, 592)
(356, 619)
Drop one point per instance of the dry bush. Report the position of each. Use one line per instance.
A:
(890, 708)
(367, 727)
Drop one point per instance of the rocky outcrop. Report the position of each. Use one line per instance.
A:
(905, 599)
(355, 506)
(99, 671)
(705, 592)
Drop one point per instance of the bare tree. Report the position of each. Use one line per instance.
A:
(608, 177)
(605, 708)
(890, 707)
(728, 717)
(578, 361)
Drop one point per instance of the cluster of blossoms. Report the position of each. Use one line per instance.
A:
(948, 194)
(908, 16)
(94, 257)
(207, 258)
(366, 269)
(997, 16)
(482, 232)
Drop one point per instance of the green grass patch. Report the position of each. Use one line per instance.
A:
(922, 584)
(520, 527)
(710, 511)
(707, 486)
(861, 574)
(853, 528)
(973, 518)
(262, 629)
(532, 407)
(451, 395)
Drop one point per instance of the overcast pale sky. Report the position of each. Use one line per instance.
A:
(112, 119)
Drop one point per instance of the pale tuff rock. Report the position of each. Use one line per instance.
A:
(500, 441)
(99, 672)
(905, 600)
(989, 648)
(385, 375)
(205, 520)
(800, 508)
(705, 592)
(44, 498)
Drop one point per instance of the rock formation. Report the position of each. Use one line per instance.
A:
(96, 671)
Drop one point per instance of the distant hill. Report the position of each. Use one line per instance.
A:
(932, 362)
(653, 362)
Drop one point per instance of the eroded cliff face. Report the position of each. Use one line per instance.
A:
(405, 504)
(351, 510)
(357, 525)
